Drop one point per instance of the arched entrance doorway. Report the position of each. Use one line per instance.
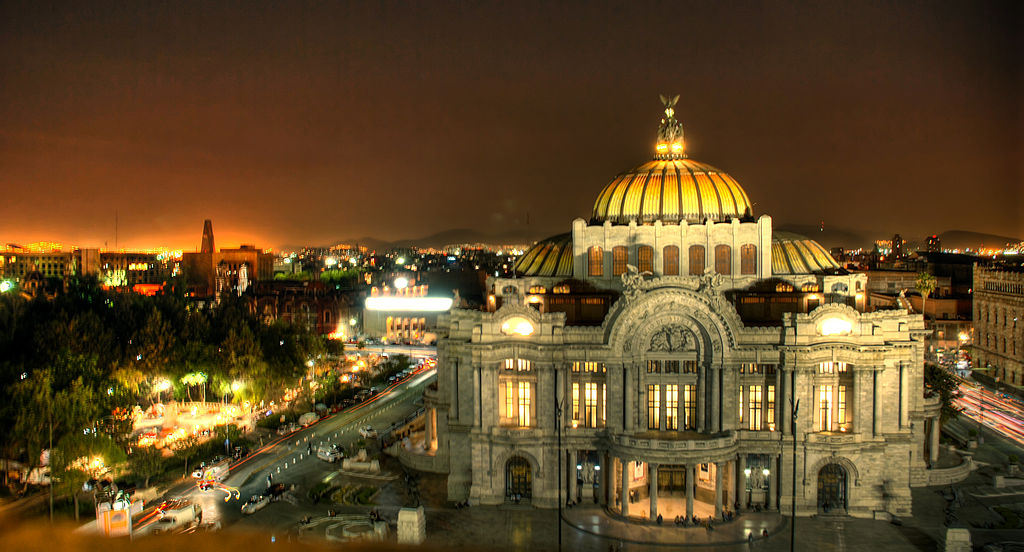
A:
(832, 488)
(518, 479)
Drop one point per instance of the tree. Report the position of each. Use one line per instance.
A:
(925, 285)
(186, 447)
(79, 458)
(946, 386)
(146, 462)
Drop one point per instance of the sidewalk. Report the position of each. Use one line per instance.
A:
(594, 520)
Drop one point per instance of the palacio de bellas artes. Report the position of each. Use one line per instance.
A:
(674, 356)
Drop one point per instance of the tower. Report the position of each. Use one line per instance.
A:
(207, 237)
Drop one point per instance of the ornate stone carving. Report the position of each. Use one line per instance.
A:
(633, 282)
(671, 339)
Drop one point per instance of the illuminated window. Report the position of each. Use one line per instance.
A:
(833, 368)
(689, 407)
(754, 396)
(742, 402)
(575, 403)
(645, 258)
(670, 260)
(809, 287)
(696, 260)
(723, 259)
(748, 259)
(595, 261)
(653, 406)
(604, 403)
(519, 365)
(618, 260)
(591, 404)
(825, 408)
(537, 289)
(783, 287)
(589, 366)
(842, 405)
(524, 404)
(653, 366)
(508, 407)
(672, 407)
(560, 288)
(671, 366)
(689, 366)
(770, 403)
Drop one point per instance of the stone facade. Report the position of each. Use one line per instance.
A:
(667, 402)
(999, 322)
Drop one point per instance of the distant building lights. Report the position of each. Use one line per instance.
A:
(409, 304)
(400, 260)
(330, 261)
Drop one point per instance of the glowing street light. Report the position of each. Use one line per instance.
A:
(5, 286)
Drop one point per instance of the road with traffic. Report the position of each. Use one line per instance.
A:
(291, 460)
(1001, 413)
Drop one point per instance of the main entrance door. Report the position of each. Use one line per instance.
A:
(832, 488)
(518, 479)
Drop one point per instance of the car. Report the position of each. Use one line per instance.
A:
(367, 432)
(330, 453)
(255, 504)
(287, 428)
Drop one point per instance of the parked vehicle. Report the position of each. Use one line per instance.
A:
(255, 504)
(367, 432)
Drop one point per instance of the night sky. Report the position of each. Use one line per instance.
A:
(295, 123)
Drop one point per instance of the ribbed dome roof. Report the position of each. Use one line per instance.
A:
(548, 257)
(796, 254)
(671, 190)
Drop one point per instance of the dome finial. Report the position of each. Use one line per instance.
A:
(670, 133)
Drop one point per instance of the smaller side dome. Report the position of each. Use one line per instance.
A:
(548, 257)
(796, 254)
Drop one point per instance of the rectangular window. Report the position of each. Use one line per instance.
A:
(510, 363)
(576, 403)
(755, 407)
(672, 407)
(689, 366)
(770, 403)
(842, 406)
(524, 404)
(604, 404)
(653, 366)
(826, 368)
(670, 260)
(595, 261)
(591, 404)
(524, 365)
(825, 408)
(508, 403)
(671, 366)
(696, 260)
(653, 406)
(689, 407)
(741, 404)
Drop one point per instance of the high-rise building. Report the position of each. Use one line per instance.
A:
(648, 360)
(934, 244)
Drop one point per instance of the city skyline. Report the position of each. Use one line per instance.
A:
(316, 125)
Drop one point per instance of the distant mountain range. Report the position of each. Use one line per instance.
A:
(828, 237)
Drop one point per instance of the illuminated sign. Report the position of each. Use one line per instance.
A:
(517, 325)
(836, 326)
(409, 304)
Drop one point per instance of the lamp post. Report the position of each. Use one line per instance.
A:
(561, 461)
(792, 523)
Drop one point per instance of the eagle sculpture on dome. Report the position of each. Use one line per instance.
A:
(670, 133)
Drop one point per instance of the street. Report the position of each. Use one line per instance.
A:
(288, 460)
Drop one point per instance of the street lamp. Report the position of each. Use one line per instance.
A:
(792, 524)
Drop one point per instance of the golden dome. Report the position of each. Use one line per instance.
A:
(671, 187)
(796, 254)
(548, 257)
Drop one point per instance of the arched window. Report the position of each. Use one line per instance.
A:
(645, 258)
(670, 260)
(696, 260)
(723, 259)
(596, 262)
(618, 260)
(748, 259)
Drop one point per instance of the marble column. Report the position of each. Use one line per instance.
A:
(428, 430)
(773, 490)
(857, 399)
(691, 474)
(741, 482)
(625, 486)
(716, 399)
(933, 450)
(702, 399)
(652, 482)
(573, 473)
(718, 489)
(782, 401)
(876, 414)
(629, 398)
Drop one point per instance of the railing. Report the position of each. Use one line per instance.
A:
(675, 444)
(948, 476)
